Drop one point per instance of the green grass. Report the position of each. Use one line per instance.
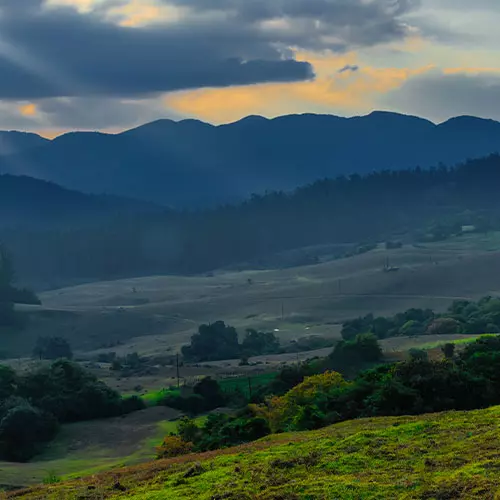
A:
(459, 342)
(153, 398)
(243, 385)
(453, 455)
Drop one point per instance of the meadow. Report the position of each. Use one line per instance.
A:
(452, 455)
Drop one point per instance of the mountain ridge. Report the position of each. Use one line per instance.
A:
(192, 164)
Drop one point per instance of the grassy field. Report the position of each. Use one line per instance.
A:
(163, 311)
(89, 447)
(453, 455)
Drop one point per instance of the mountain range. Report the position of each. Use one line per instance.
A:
(192, 164)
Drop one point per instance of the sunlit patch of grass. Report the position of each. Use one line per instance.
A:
(452, 455)
(154, 398)
(459, 342)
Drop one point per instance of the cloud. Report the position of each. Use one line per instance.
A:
(349, 67)
(330, 92)
(57, 50)
(29, 109)
(441, 94)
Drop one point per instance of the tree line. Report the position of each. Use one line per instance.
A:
(34, 404)
(9, 294)
(462, 317)
(424, 204)
(465, 381)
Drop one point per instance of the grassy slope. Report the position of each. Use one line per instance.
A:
(88, 447)
(166, 310)
(453, 455)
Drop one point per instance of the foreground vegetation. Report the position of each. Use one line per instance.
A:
(452, 455)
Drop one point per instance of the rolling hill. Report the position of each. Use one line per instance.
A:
(151, 314)
(12, 142)
(190, 163)
(26, 203)
(452, 455)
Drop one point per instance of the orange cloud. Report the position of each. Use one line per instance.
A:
(29, 109)
(331, 91)
(141, 12)
(80, 5)
(469, 71)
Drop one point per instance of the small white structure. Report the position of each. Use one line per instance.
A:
(468, 229)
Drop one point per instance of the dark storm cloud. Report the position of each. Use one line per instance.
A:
(59, 52)
(440, 96)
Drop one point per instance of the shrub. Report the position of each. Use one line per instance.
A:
(8, 382)
(23, 429)
(418, 354)
(173, 446)
(444, 326)
(131, 404)
(69, 392)
(288, 412)
(448, 350)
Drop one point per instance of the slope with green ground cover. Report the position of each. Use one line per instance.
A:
(452, 455)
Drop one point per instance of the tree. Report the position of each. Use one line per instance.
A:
(209, 390)
(7, 273)
(418, 354)
(258, 343)
(448, 350)
(444, 326)
(213, 342)
(8, 382)
(22, 430)
(173, 446)
(52, 348)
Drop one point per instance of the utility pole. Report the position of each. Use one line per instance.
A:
(178, 374)
(282, 311)
(250, 387)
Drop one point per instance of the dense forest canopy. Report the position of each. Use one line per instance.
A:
(375, 207)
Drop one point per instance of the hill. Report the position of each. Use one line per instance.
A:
(153, 313)
(452, 455)
(190, 163)
(15, 142)
(26, 202)
(346, 214)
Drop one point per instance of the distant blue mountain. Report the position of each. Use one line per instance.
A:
(191, 163)
(28, 203)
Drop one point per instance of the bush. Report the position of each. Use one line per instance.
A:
(22, 431)
(448, 350)
(69, 392)
(350, 356)
(8, 382)
(206, 396)
(173, 446)
(444, 326)
(418, 354)
(131, 404)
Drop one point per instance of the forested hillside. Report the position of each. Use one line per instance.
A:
(26, 203)
(416, 205)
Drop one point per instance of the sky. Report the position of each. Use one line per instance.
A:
(114, 64)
